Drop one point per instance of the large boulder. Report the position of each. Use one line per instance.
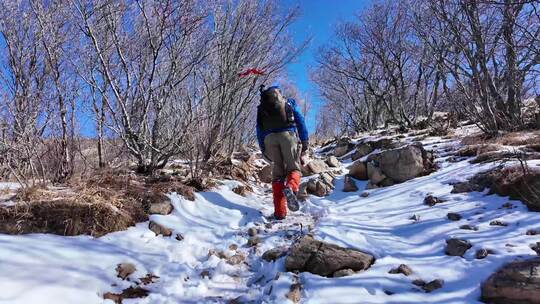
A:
(324, 259)
(358, 170)
(404, 163)
(457, 247)
(343, 147)
(315, 166)
(362, 150)
(333, 162)
(515, 283)
(374, 173)
(349, 185)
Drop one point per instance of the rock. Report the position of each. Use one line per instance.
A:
(128, 293)
(315, 166)
(236, 259)
(532, 232)
(515, 283)
(252, 231)
(265, 174)
(124, 270)
(179, 237)
(387, 182)
(274, 254)
(233, 247)
(457, 247)
(383, 143)
(159, 229)
(433, 285)
(253, 241)
(343, 147)
(468, 227)
(242, 190)
(483, 253)
(358, 170)
(349, 185)
(206, 274)
(317, 257)
(327, 178)
(466, 187)
(362, 150)
(374, 173)
(364, 194)
(498, 223)
(419, 282)
(333, 162)
(317, 187)
(164, 207)
(343, 273)
(371, 185)
(295, 292)
(536, 248)
(404, 163)
(431, 200)
(453, 216)
(415, 217)
(403, 269)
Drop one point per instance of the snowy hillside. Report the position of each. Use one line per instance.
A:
(214, 252)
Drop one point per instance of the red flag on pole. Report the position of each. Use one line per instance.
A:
(251, 71)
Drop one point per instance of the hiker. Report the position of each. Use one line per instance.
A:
(279, 125)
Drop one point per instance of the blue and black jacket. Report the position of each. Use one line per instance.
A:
(299, 126)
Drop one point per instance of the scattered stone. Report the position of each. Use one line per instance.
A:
(253, 241)
(233, 247)
(433, 285)
(415, 217)
(468, 227)
(507, 205)
(206, 274)
(349, 185)
(364, 194)
(220, 254)
(431, 200)
(321, 258)
(516, 282)
(343, 146)
(358, 170)
(236, 259)
(268, 225)
(536, 248)
(371, 185)
(498, 223)
(457, 247)
(128, 293)
(294, 293)
(148, 279)
(164, 207)
(124, 270)
(242, 190)
(274, 254)
(387, 182)
(453, 216)
(388, 292)
(343, 273)
(532, 232)
(179, 237)
(315, 166)
(362, 150)
(159, 229)
(405, 163)
(463, 187)
(482, 253)
(403, 269)
(419, 283)
(252, 231)
(333, 162)
(510, 245)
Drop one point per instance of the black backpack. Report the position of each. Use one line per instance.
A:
(274, 112)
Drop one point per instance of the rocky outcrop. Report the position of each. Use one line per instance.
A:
(362, 150)
(515, 283)
(404, 163)
(310, 255)
(333, 162)
(358, 170)
(274, 254)
(343, 147)
(265, 174)
(315, 166)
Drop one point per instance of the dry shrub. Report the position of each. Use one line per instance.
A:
(477, 149)
(519, 138)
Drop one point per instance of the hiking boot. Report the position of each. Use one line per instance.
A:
(292, 200)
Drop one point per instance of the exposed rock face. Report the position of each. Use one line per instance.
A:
(325, 259)
(265, 174)
(358, 170)
(515, 283)
(362, 150)
(315, 166)
(457, 247)
(333, 162)
(404, 163)
(343, 147)
(403, 269)
(343, 273)
(374, 173)
(349, 185)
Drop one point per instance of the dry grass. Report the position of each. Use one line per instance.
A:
(520, 138)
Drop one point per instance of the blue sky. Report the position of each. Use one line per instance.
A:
(318, 18)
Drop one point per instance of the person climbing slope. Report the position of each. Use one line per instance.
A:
(279, 126)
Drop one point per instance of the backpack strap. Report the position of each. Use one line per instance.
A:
(290, 113)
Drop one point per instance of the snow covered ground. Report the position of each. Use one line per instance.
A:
(52, 269)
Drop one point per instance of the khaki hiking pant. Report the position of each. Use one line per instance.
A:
(282, 149)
